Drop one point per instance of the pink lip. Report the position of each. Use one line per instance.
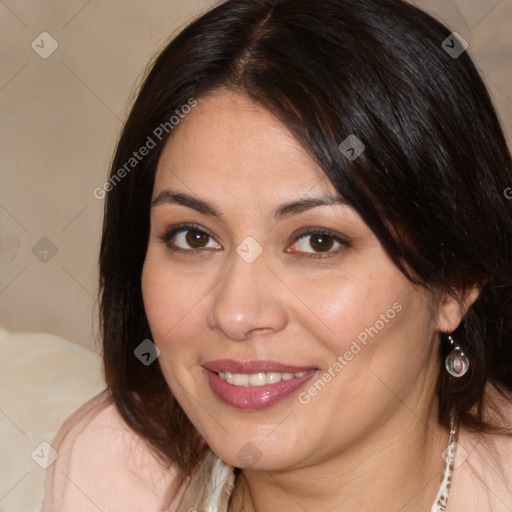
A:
(254, 397)
(229, 365)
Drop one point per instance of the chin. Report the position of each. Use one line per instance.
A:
(256, 456)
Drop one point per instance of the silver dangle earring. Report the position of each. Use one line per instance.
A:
(456, 362)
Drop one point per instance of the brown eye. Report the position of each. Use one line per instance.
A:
(321, 242)
(188, 238)
(196, 239)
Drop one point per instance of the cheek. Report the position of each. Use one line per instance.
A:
(172, 301)
(345, 308)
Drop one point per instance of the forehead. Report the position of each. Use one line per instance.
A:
(228, 143)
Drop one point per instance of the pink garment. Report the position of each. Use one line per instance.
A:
(103, 466)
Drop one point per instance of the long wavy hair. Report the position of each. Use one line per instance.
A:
(430, 183)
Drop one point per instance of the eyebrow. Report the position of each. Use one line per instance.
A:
(283, 211)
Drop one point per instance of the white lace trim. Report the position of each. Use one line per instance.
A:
(210, 487)
(441, 500)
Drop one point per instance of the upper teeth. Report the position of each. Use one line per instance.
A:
(257, 379)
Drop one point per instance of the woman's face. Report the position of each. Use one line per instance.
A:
(272, 273)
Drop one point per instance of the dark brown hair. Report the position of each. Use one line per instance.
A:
(435, 167)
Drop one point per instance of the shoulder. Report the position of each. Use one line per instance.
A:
(482, 478)
(103, 465)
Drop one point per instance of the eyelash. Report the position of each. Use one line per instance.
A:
(168, 235)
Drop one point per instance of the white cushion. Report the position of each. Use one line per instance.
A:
(43, 379)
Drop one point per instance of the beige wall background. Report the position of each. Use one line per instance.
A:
(60, 117)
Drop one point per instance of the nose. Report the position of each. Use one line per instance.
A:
(249, 300)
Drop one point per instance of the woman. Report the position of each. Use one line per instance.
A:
(305, 274)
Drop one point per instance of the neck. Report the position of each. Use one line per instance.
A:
(398, 467)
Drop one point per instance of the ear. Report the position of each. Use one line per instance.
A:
(451, 309)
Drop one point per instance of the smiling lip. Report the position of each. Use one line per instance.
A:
(254, 397)
(229, 365)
